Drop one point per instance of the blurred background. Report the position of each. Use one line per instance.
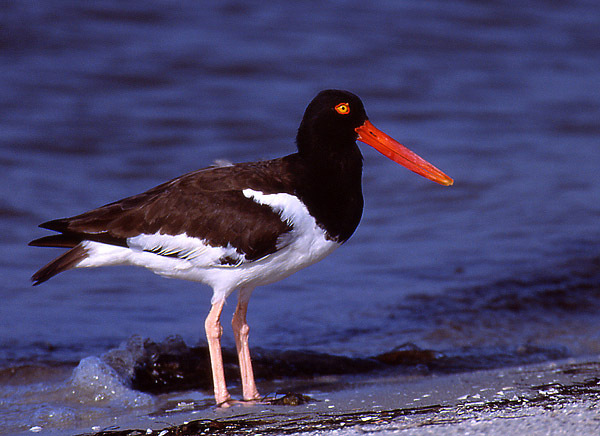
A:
(102, 100)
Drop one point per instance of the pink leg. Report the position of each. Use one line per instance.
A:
(241, 332)
(214, 331)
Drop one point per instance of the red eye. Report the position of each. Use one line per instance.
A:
(342, 108)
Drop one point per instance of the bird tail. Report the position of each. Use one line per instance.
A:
(66, 261)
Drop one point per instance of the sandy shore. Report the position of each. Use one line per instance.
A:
(553, 398)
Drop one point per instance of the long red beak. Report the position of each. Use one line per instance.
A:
(395, 151)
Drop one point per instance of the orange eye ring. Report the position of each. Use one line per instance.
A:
(342, 108)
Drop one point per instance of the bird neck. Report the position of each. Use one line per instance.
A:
(329, 184)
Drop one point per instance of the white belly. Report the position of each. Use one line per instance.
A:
(302, 246)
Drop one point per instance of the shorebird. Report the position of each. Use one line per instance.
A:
(239, 226)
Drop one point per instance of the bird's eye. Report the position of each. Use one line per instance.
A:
(342, 108)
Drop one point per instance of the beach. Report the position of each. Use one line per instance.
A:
(553, 398)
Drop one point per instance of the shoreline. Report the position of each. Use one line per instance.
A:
(558, 397)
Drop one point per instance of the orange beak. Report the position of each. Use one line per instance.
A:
(395, 151)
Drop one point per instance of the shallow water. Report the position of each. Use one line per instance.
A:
(104, 100)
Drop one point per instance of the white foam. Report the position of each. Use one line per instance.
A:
(94, 381)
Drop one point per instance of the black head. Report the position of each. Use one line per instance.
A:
(330, 121)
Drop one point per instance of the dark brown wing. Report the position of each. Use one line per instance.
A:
(207, 204)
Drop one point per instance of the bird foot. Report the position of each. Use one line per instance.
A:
(231, 402)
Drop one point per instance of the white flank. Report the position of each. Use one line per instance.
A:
(185, 247)
(196, 260)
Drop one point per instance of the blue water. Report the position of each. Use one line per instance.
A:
(101, 100)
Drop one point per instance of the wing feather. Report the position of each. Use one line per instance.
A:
(207, 204)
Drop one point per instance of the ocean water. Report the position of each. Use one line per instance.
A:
(102, 100)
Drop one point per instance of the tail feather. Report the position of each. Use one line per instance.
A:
(62, 240)
(62, 263)
(59, 225)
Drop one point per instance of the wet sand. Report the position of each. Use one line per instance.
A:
(559, 397)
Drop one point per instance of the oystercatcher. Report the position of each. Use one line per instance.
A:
(240, 226)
